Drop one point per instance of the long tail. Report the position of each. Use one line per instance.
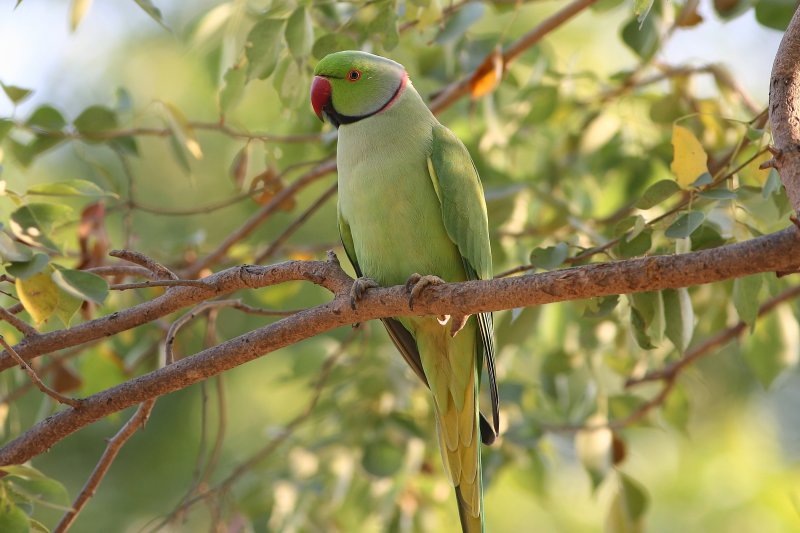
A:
(459, 442)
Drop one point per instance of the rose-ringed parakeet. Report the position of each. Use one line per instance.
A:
(411, 203)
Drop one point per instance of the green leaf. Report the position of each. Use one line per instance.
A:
(775, 14)
(39, 296)
(12, 518)
(745, 298)
(639, 330)
(95, 119)
(641, 8)
(83, 285)
(262, 48)
(637, 246)
(702, 180)
(332, 42)
(74, 187)
(182, 132)
(457, 24)
(235, 80)
(385, 26)
(43, 490)
(47, 118)
(544, 100)
(772, 184)
(125, 145)
(34, 223)
(657, 193)
(6, 124)
(154, 13)
(642, 40)
(26, 269)
(382, 459)
(707, 236)
(718, 194)
(13, 251)
(685, 225)
(601, 307)
(679, 316)
(550, 257)
(634, 496)
(23, 471)
(676, 409)
(67, 306)
(16, 94)
(300, 33)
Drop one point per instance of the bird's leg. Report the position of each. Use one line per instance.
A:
(360, 288)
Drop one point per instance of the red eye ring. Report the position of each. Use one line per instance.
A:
(354, 75)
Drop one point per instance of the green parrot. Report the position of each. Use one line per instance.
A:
(411, 201)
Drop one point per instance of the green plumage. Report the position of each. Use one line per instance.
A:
(410, 201)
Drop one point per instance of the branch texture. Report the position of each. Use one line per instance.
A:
(774, 252)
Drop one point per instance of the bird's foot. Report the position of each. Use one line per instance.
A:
(360, 288)
(417, 283)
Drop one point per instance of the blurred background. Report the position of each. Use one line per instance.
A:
(567, 145)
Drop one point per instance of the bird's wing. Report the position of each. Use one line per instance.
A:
(460, 193)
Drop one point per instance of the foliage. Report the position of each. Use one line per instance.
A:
(583, 159)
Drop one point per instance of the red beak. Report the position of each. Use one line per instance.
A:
(320, 94)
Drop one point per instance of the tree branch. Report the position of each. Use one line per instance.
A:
(784, 111)
(774, 252)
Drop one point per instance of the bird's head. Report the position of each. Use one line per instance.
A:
(350, 86)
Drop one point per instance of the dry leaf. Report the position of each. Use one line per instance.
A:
(487, 76)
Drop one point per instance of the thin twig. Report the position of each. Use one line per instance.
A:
(159, 283)
(140, 259)
(57, 396)
(113, 447)
(21, 326)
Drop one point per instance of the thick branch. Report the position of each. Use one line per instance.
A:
(774, 252)
(784, 110)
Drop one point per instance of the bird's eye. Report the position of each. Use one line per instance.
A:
(354, 75)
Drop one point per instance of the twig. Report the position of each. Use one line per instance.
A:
(259, 456)
(455, 91)
(259, 216)
(60, 398)
(113, 447)
(773, 252)
(121, 270)
(21, 326)
(140, 259)
(207, 307)
(159, 283)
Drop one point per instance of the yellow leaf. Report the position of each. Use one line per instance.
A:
(689, 161)
(39, 295)
(487, 76)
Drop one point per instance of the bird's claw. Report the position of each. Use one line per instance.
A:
(417, 283)
(360, 288)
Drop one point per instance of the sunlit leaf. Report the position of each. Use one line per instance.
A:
(79, 284)
(39, 296)
(689, 159)
(34, 223)
(12, 518)
(13, 251)
(150, 8)
(641, 8)
(182, 130)
(300, 33)
(77, 11)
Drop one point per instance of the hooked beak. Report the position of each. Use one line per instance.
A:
(320, 95)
